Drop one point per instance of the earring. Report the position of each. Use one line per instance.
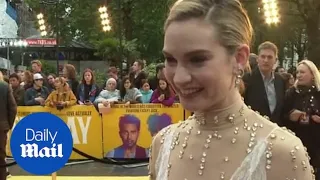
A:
(239, 77)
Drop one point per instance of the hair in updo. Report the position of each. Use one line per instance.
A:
(228, 18)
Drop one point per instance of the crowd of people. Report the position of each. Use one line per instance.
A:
(35, 88)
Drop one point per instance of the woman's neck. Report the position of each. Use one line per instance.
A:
(231, 104)
(60, 90)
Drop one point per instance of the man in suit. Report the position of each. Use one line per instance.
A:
(265, 89)
(8, 109)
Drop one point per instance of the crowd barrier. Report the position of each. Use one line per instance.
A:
(100, 136)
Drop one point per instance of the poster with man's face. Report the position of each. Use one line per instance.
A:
(127, 132)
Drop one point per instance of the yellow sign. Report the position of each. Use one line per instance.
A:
(83, 121)
(128, 131)
(187, 114)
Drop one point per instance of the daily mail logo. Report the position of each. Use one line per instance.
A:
(41, 143)
(33, 150)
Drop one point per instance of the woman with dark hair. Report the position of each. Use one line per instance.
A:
(288, 80)
(69, 72)
(146, 91)
(88, 90)
(28, 80)
(128, 93)
(163, 94)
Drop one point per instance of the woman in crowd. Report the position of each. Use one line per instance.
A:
(62, 96)
(51, 82)
(206, 47)
(28, 80)
(88, 90)
(128, 93)
(163, 94)
(69, 72)
(145, 91)
(288, 79)
(110, 95)
(302, 109)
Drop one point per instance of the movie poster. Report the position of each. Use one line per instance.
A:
(128, 131)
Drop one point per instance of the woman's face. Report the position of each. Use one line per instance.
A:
(50, 79)
(162, 84)
(304, 75)
(291, 81)
(22, 77)
(65, 72)
(127, 84)
(201, 71)
(87, 77)
(146, 87)
(57, 83)
(111, 86)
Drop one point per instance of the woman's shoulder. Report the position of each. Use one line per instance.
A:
(169, 131)
(285, 155)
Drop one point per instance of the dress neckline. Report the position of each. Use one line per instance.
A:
(222, 118)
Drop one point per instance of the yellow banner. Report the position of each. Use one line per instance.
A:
(127, 131)
(83, 121)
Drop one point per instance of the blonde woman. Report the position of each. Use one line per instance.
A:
(302, 109)
(206, 47)
(61, 97)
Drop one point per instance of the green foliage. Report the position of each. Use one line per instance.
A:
(151, 69)
(100, 78)
(138, 23)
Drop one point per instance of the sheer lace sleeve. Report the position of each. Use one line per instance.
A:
(289, 159)
(159, 154)
(280, 156)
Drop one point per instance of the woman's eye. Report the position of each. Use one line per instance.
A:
(198, 60)
(171, 60)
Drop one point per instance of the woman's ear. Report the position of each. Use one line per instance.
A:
(242, 55)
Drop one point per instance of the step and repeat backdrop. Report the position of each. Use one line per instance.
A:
(122, 132)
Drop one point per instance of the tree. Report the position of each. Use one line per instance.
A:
(78, 19)
(304, 16)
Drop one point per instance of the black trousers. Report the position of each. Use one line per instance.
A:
(3, 144)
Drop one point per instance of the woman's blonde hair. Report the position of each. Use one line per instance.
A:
(63, 82)
(314, 71)
(228, 17)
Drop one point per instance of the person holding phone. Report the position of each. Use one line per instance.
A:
(88, 90)
(302, 105)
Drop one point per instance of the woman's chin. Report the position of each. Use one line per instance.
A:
(191, 105)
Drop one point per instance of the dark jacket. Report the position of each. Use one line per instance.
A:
(8, 107)
(137, 80)
(18, 94)
(91, 93)
(73, 84)
(255, 95)
(32, 93)
(306, 100)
